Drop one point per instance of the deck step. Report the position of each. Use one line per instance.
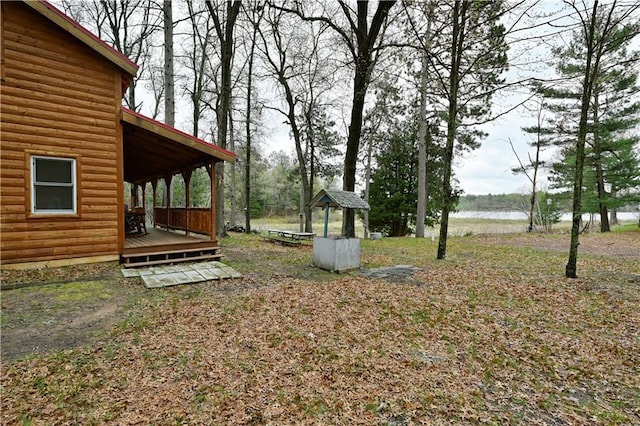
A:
(170, 256)
(175, 251)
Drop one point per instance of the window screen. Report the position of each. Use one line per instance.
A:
(53, 185)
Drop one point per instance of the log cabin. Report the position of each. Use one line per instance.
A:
(67, 147)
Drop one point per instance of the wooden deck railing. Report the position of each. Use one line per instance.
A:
(176, 218)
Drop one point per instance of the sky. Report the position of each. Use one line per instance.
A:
(486, 170)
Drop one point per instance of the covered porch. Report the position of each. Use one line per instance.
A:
(154, 154)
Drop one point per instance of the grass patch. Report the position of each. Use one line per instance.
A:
(627, 227)
(79, 291)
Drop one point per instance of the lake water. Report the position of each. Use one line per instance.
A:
(517, 215)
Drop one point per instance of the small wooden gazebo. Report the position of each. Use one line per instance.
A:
(336, 199)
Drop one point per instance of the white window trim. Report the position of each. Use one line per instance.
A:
(73, 184)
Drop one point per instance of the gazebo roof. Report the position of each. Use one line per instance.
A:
(338, 199)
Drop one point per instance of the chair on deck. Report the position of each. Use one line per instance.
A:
(134, 221)
(142, 218)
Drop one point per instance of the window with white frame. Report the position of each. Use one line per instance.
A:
(53, 185)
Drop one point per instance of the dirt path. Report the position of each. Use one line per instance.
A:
(40, 318)
(63, 308)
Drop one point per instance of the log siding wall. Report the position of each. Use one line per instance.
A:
(58, 98)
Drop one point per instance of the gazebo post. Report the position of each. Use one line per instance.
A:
(167, 182)
(326, 220)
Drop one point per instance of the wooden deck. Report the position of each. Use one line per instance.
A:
(161, 247)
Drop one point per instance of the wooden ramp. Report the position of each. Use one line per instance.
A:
(163, 247)
(165, 275)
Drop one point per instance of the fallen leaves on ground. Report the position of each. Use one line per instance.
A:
(492, 337)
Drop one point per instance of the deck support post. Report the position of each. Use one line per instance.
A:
(143, 187)
(211, 170)
(154, 186)
(186, 176)
(132, 197)
(167, 181)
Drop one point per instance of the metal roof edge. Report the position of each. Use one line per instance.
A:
(164, 130)
(74, 28)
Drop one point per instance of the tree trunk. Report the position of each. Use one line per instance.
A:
(232, 147)
(456, 52)
(536, 166)
(422, 150)
(613, 213)
(421, 212)
(597, 162)
(367, 185)
(571, 267)
(302, 165)
(222, 114)
(311, 147)
(247, 164)
(132, 96)
(169, 100)
(361, 81)
(366, 38)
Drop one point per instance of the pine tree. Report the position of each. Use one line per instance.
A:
(611, 111)
(393, 190)
(600, 35)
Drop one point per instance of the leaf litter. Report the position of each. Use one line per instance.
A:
(498, 337)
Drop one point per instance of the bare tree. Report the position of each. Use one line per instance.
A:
(421, 212)
(277, 51)
(466, 53)
(169, 96)
(198, 60)
(155, 85)
(255, 16)
(531, 168)
(359, 32)
(375, 124)
(224, 23)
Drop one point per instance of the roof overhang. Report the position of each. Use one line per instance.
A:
(46, 9)
(153, 150)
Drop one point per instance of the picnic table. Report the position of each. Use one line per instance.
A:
(291, 237)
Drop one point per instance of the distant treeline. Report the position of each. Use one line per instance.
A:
(490, 202)
(514, 202)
